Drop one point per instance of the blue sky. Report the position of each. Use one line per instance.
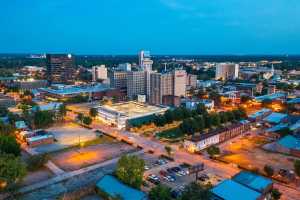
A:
(162, 26)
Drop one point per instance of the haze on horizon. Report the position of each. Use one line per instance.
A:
(162, 26)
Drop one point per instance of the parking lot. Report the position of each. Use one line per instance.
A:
(66, 135)
(174, 175)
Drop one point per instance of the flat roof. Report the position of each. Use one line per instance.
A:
(133, 109)
(253, 181)
(69, 90)
(39, 137)
(113, 187)
(270, 96)
(260, 113)
(231, 190)
(290, 142)
(275, 117)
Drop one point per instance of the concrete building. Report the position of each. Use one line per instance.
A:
(191, 81)
(60, 68)
(99, 73)
(145, 61)
(227, 71)
(179, 82)
(124, 67)
(136, 84)
(118, 79)
(161, 84)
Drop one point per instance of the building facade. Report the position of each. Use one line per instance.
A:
(118, 79)
(99, 73)
(60, 68)
(136, 84)
(227, 71)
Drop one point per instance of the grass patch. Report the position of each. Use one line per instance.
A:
(174, 133)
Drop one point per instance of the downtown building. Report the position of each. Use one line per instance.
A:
(99, 73)
(227, 71)
(60, 68)
(136, 84)
(118, 80)
(167, 88)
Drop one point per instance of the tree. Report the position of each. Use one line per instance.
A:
(216, 97)
(269, 170)
(169, 116)
(297, 167)
(87, 120)
(245, 99)
(130, 170)
(275, 194)
(12, 169)
(9, 145)
(213, 151)
(6, 129)
(80, 117)
(3, 111)
(168, 150)
(201, 109)
(93, 112)
(160, 192)
(215, 119)
(37, 161)
(194, 191)
(43, 119)
(62, 111)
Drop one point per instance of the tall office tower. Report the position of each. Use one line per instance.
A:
(227, 71)
(118, 79)
(124, 67)
(145, 64)
(161, 85)
(136, 84)
(60, 68)
(179, 82)
(99, 72)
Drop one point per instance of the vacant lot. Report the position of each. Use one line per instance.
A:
(246, 152)
(76, 158)
(67, 135)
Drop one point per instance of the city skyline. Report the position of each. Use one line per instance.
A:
(177, 27)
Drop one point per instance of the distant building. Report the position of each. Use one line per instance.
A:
(179, 82)
(192, 104)
(124, 67)
(145, 61)
(118, 79)
(161, 84)
(191, 80)
(136, 84)
(99, 73)
(227, 71)
(60, 68)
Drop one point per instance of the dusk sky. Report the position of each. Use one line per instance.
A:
(162, 26)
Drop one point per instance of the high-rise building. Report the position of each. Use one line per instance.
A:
(124, 67)
(227, 71)
(118, 79)
(60, 68)
(145, 64)
(161, 84)
(191, 80)
(136, 84)
(179, 82)
(99, 72)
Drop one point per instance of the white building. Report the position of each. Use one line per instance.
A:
(227, 71)
(99, 72)
(124, 67)
(192, 105)
(201, 142)
(145, 64)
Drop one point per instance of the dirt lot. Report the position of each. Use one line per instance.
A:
(76, 158)
(246, 152)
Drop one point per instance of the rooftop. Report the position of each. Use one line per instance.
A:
(275, 117)
(290, 142)
(260, 113)
(113, 186)
(271, 96)
(231, 190)
(253, 181)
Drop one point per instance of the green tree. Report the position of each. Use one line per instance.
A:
(130, 170)
(160, 192)
(213, 151)
(194, 191)
(62, 111)
(297, 167)
(80, 117)
(12, 169)
(201, 109)
(169, 116)
(9, 145)
(215, 119)
(37, 161)
(269, 170)
(6, 129)
(168, 149)
(87, 120)
(3, 111)
(200, 123)
(43, 119)
(275, 194)
(93, 112)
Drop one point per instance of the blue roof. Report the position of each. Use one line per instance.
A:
(295, 100)
(290, 142)
(275, 117)
(270, 96)
(260, 113)
(253, 181)
(113, 186)
(231, 190)
(277, 127)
